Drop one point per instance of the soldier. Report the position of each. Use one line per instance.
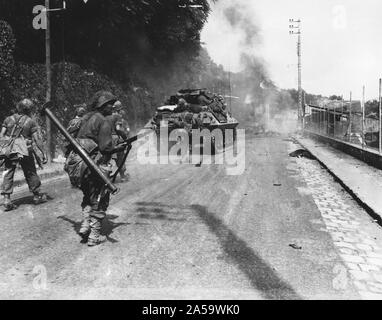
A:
(95, 137)
(23, 154)
(119, 133)
(126, 129)
(74, 126)
(203, 100)
(182, 106)
(125, 123)
(75, 123)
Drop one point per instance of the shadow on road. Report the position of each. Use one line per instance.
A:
(156, 210)
(107, 226)
(29, 200)
(262, 277)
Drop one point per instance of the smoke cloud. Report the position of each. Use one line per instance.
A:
(232, 32)
(233, 38)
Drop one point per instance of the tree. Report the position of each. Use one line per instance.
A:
(152, 45)
(334, 97)
(372, 107)
(109, 35)
(7, 46)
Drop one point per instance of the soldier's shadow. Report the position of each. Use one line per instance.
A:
(29, 200)
(108, 226)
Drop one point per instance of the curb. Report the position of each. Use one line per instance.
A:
(366, 154)
(372, 212)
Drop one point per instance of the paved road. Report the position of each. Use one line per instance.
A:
(181, 231)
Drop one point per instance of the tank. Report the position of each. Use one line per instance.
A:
(192, 109)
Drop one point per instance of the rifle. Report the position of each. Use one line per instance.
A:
(113, 177)
(128, 143)
(37, 158)
(79, 150)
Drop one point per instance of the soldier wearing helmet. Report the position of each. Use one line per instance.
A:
(95, 136)
(23, 130)
(182, 106)
(119, 134)
(74, 125)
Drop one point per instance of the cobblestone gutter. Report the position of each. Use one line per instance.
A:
(356, 236)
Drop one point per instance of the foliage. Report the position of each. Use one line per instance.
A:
(108, 34)
(72, 85)
(7, 46)
(309, 97)
(143, 51)
(334, 97)
(372, 107)
(148, 49)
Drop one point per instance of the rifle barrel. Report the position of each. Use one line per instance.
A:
(134, 138)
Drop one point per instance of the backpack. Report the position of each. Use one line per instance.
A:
(73, 128)
(14, 146)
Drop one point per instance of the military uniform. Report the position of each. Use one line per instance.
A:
(95, 136)
(73, 127)
(118, 137)
(74, 124)
(29, 127)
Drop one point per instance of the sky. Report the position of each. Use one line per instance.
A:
(341, 43)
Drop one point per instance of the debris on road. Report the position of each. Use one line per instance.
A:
(302, 153)
(295, 246)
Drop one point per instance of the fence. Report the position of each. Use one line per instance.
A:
(344, 121)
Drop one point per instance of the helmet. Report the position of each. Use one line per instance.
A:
(101, 98)
(117, 106)
(24, 106)
(80, 110)
(182, 102)
(188, 117)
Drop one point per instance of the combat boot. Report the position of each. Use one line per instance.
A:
(9, 205)
(95, 236)
(85, 225)
(125, 177)
(39, 198)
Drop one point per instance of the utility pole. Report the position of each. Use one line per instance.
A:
(49, 149)
(230, 91)
(301, 110)
(380, 115)
(48, 81)
(296, 24)
(363, 116)
(350, 115)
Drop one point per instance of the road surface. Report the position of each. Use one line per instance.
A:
(189, 232)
